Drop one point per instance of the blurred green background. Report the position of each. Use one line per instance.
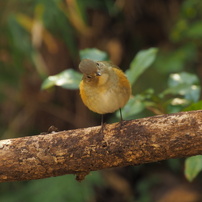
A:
(43, 38)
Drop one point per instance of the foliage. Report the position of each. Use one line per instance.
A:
(193, 165)
(40, 190)
(42, 38)
(93, 54)
(140, 63)
(68, 79)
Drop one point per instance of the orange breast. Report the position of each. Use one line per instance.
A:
(108, 97)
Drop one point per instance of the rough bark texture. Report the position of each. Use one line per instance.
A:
(83, 150)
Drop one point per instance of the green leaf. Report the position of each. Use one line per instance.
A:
(184, 84)
(140, 63)
(136, 104)
(194, 106)
(68, 79)
(93, 54)
(182, 78)
(62, 188)
(193, 165)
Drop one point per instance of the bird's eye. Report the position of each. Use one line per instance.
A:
(89, 76)
(98, 64)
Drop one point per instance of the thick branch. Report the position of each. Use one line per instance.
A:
(83, 150)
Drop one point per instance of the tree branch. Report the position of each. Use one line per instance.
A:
(83, 150)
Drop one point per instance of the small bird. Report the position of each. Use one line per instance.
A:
(104, 87)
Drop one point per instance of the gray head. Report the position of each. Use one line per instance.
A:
(88, 66)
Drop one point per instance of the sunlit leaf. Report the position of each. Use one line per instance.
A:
(178, 101)
(182, 78)
(93, 54)
(193, 165)
(140, 63)
(68, 79)
(176, 104)
(184, 84)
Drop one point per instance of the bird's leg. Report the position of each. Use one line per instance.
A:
(102, 119)
(102, 123)
(121, 115)
(121, 119)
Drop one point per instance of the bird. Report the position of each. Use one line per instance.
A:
(104, 87)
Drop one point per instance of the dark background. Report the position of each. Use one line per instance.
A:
(42, 38)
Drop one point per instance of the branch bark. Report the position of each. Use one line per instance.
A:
(83, 150)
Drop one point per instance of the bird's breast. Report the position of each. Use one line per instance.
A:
(104, 99)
